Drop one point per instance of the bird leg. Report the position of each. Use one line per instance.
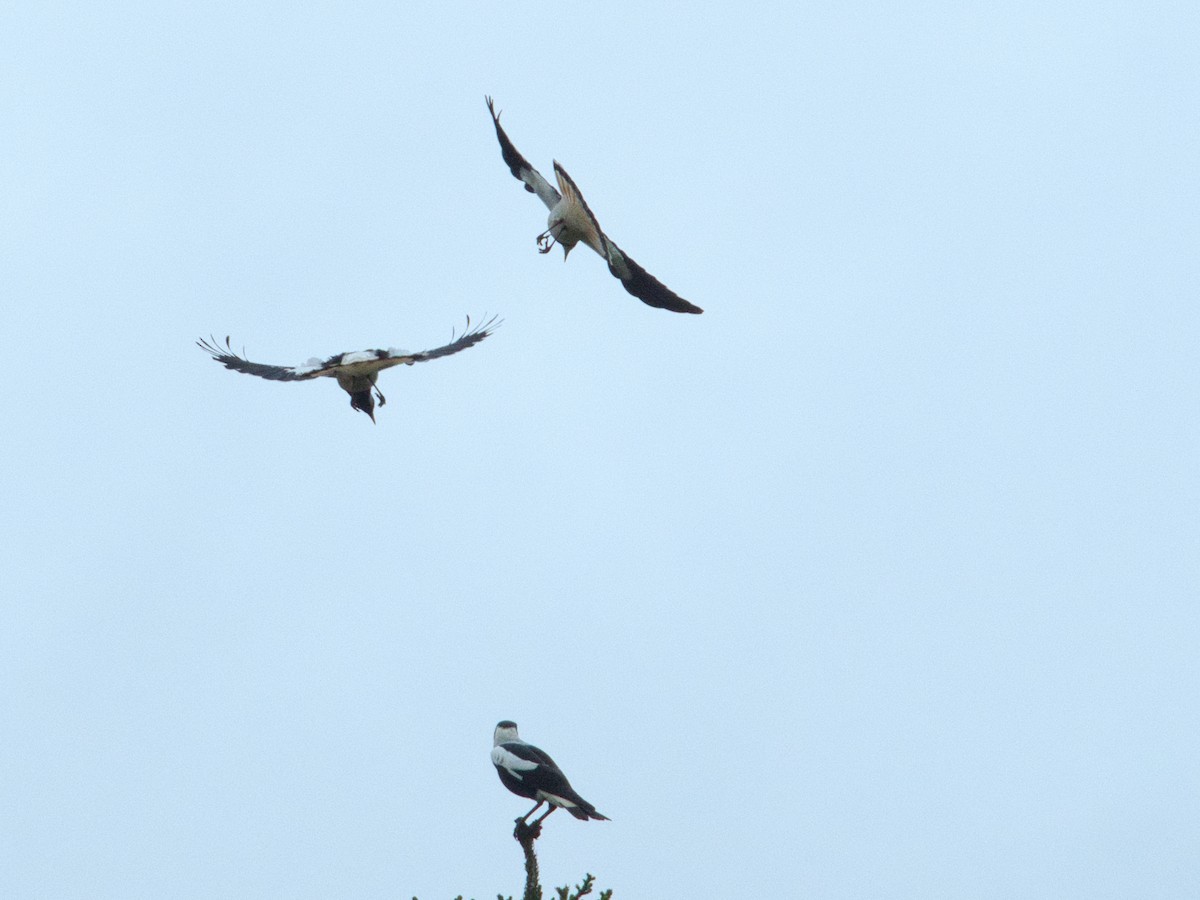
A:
(546, 240)
(530, 813)
(379, 394)
(538, 821)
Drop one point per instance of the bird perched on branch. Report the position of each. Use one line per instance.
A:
(529, 772)
(571, 221)
(356, 373)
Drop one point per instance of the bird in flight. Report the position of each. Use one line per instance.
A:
(356, 373)
(529, 772)
(571, 221)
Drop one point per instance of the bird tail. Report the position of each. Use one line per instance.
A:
(584, 810)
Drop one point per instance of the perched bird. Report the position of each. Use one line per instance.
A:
(571, 221)
(529, 772)
(356, 373)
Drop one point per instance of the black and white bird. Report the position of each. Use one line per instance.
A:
(356, 373)
(529, 772)
(571, 221)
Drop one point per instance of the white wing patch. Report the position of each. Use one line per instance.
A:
(311, 366)
(505, 759)
(616, 261)
(361, 356)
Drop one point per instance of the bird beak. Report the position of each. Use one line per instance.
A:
(371, 413)
(566, 250)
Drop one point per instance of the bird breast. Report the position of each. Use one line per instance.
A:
(567, 223)
(353, 381)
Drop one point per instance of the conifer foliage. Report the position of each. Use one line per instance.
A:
(525, 836)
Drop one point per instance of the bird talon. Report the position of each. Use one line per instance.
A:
(525, 830)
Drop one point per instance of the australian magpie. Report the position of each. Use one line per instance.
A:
(529, 772)
(356, 373)
(571, 221)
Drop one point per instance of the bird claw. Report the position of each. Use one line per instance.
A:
(525, 830)
(545, 241)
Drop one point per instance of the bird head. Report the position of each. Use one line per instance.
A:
(505, 731)
(363, 402)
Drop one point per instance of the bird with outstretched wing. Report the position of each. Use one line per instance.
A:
(571, 221)
(356, 372)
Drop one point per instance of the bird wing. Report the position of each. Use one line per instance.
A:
(469, 338)
(591, 233)
(539, 775)
(535, 768)
(642, 284)
(519, 165)
(360, 362)
(636, 280)
(509, 758)
(231, 360)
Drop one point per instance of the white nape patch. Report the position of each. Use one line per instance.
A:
(511, 762)
(551, 798)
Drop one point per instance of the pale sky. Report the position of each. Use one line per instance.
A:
(878, 579)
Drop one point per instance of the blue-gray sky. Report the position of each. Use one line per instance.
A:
(879, 579)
